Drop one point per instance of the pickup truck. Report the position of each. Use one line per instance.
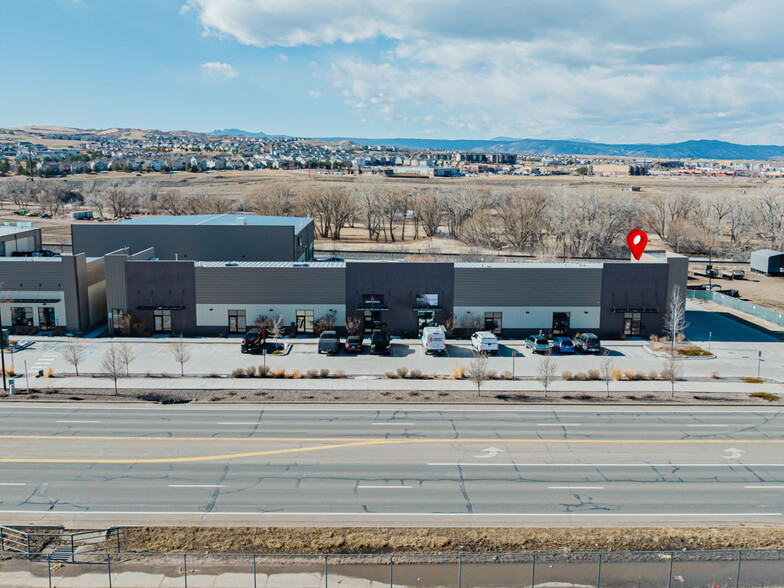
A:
(329, 343)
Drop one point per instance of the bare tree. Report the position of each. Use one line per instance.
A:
(127, 355)
(74, 353)
(354, 325)
(545, 371)
(427, 213)
(606, 372)
(673, 369)
(181, 353)
(277, 199)
(478, 372)
(276, 329)
(112, 364)
(675, 316)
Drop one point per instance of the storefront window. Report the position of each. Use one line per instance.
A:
(22, 316)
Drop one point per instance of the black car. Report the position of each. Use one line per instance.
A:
(588, 343)
(379, 343)
(329, 343)
(254, 341)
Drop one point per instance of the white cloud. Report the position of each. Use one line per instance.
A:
(314, 93)
(283, 57)
(216, 69)
(185, 9)
(604, 69)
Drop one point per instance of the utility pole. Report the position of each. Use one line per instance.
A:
(564, 244)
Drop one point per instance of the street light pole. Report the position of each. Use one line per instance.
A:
(514, 355)
(2, 353)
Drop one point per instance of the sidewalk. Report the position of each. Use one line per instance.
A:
(380, 384)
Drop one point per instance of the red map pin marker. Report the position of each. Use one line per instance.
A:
(637, 240)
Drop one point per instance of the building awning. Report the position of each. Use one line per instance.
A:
(29, 300)
(642, 310)
(160, 308)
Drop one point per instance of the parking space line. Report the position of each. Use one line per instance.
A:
(367, 487)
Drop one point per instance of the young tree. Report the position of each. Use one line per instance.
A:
(545, 371)
(673, 369)
(675, 316)
(112, 364)
(181, 353)
(605, 372)
(74, 352)
(478, 372)
(127, 355)
(276, 329)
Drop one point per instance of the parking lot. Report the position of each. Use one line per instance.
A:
(736, 347)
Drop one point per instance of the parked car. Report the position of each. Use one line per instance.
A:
(563, 345)
(484, 342)
(738, 274)
(379, 343)
(354, 344)
(333, 258)
(538, 343)
(730, 292)
(434, 340)
(329, 343)
(587, 343)
(254, 340)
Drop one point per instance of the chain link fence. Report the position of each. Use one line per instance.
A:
(682, 569)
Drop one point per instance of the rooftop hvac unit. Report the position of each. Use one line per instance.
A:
(240, 220)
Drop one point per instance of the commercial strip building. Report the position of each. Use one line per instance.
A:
(222, 293)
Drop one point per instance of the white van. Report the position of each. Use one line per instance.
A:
(434, 340)
(484, 342)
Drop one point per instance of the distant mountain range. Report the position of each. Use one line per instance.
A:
(701, 149)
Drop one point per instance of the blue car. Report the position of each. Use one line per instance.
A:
(563, 345)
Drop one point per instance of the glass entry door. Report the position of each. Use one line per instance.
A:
(46, 318)
(425, 318)
(163, 322)
(304, 322)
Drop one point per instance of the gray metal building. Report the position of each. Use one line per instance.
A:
(621, 299)
(218, 237)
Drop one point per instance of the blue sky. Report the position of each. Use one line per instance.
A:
(605, 70)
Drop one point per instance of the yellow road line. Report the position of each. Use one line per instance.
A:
(344, 444)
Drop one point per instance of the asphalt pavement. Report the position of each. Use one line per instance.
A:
(92, 465)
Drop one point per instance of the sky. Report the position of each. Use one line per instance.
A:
(603, 70)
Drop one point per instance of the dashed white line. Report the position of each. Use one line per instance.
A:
(368, 487)
(248, 423)
(558, 425)
(707, 425)
(762, 487)
(12, 484)
(575, 487)
(78, 422)
(196, 486)
(393, 424)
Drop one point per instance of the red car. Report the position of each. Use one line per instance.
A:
(354, 344)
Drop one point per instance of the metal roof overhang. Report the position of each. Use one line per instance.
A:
(642, 310)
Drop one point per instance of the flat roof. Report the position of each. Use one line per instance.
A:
(527, 265)
(267, 264)
(257, 220)
(6, 231)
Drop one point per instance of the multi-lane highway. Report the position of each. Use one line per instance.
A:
(91, 465)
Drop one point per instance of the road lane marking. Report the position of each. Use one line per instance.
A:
(368, 487)
(765, 487)
(343, 443)
(196, 486)
(707, 425)
(77, 422)
(12, 484)
(398, 408)
(393, 424)
(614, 465)
(559, 424)
(575, 487)
(390, 514)
(248, 423)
